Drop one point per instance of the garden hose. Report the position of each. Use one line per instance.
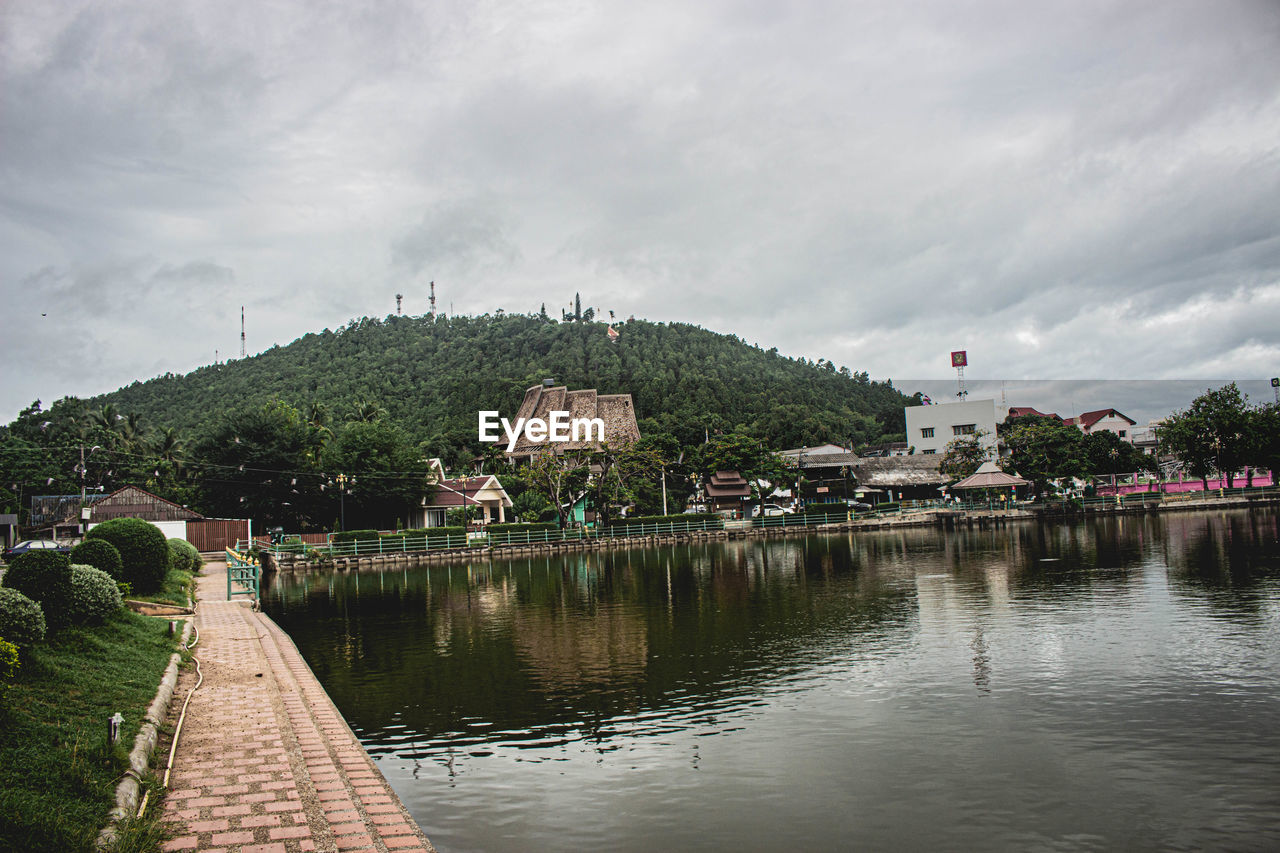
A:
(173, 747)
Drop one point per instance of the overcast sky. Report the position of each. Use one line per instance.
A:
(1075, 190)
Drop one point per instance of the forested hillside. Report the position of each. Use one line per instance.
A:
(432, 376)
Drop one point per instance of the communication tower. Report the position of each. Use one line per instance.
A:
(242, 331)
(959, 359)
(399, 296)
(433, 300)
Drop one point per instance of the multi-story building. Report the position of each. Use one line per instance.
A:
(931, 428)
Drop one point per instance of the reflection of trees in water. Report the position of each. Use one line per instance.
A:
(517, 644)
(1231, 560)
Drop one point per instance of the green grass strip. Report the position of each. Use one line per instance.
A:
(57, 774)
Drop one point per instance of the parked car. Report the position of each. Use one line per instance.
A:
(770, 510)
(35, 545)
(859, 506)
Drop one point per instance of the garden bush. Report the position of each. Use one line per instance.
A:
(351, 535)
(184, 556)
(21, 619)
(45, 578)
(94, 596)
(100, 554)
(521, 528)
(667, 519)
(8, 659)
(143, 549)
(840, 509)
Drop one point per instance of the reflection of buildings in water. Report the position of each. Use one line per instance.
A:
(981, 660)
(565, 650)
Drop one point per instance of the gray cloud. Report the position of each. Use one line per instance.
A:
(1066, 191)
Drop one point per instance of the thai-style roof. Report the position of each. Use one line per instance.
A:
(728, 484)
(899, 471)
(989, 476)
(615, 410)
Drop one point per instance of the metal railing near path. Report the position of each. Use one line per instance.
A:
(244, 574)
(406, 544)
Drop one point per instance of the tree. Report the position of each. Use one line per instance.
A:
(1216, 432)
(617, 472)
(386, 472)
(1107, 453)
(964, 455)
(1044, 449)
(559, 478)
(746, 455)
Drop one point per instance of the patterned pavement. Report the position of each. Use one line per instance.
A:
(265, 762)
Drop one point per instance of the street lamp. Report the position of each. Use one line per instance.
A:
(342, 500)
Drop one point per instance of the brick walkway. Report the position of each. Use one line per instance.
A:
(265, 763)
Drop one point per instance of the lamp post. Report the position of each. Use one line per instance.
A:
(342, 500)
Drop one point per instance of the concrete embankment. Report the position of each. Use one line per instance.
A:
(265, 762)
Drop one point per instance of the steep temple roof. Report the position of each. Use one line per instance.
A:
(616, 410)
(728, 484)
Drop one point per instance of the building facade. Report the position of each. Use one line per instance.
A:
(931, 428)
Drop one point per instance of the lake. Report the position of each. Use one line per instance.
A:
(1112, 683)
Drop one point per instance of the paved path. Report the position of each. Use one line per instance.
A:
(265, 763)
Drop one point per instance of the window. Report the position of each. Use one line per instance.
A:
(927, 432)
(1121, 433)
(964, 429)
(927, 452)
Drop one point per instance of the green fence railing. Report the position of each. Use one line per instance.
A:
(244, 574)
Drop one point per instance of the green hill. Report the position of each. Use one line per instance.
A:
(432, 375)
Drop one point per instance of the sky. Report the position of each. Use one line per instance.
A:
(1065, 190)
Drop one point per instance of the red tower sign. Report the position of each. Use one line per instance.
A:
(959, 358)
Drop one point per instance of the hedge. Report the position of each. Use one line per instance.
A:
(142, 547)
(529, 527)
(351, 535)
(826, 509)
(43, 577)
(94, 596)
(100, 554)
(21, 619)
(666, 519)
(434, 537)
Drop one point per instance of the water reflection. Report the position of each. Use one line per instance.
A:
(1112, 683)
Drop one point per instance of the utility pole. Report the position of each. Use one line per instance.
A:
(342, 500)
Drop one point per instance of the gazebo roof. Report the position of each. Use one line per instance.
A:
(989, 476)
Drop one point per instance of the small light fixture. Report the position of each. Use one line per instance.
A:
(113, 727)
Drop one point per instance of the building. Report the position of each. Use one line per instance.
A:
(931, 428)
(727, 490)
(485, 493)
(1108, 420)
(615, 410)
(797, 454)
(1022, 411)
(897, 478)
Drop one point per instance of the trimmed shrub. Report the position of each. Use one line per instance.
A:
(667, 519)
(142, 547)
(21, 619)
(94, 596)
(520, 528)
(351, 535)
(45, 578)
(100, 554)
(826, 509)
(184, 556)
(8, 659)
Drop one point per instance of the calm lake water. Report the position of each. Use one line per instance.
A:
(1109, 684)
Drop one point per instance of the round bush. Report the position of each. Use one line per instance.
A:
(21, 619)
(43, 577)
(100, 554)
(94, 596)
(143, 549)
(183, 555)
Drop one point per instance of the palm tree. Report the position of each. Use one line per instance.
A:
(367, 412)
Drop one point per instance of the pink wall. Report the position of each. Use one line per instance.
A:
(1260, 478)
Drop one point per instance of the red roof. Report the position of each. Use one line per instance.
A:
(452, 492)
(1088, 419)
(1021, 411)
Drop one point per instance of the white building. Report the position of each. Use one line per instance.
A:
(931, 428)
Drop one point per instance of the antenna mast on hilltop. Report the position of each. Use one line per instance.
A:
(242, 331)
(399, 296)
(433, 300)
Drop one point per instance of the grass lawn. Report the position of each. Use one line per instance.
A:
(57, 774)
(178, 585)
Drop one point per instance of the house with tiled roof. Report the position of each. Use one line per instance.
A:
(485, 493)
(1109, 420)
(1022, 411)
